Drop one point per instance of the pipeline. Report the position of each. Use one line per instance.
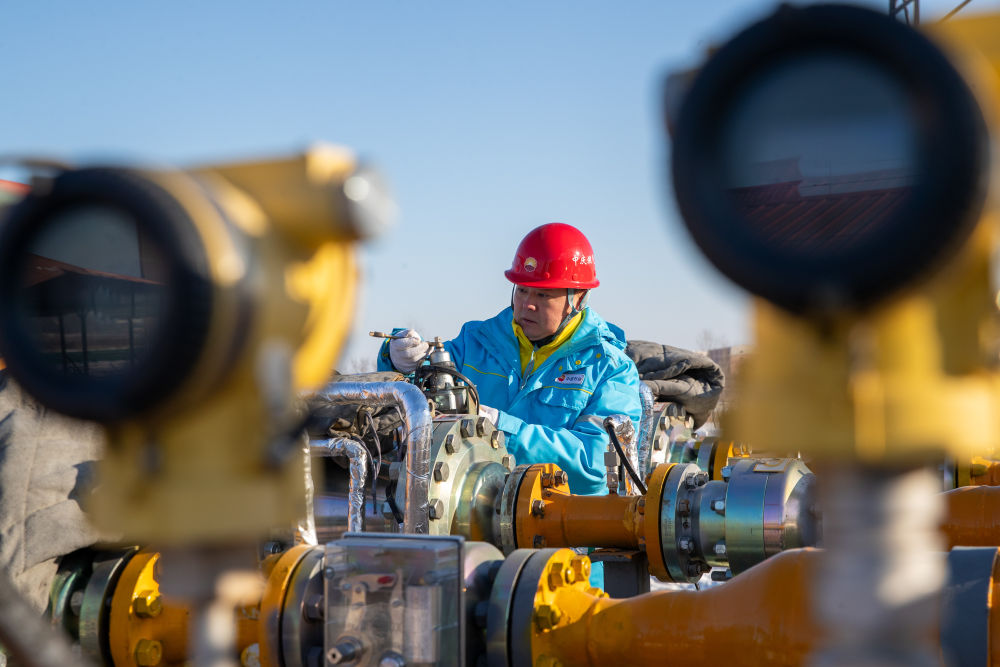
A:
(972, 516)
(419, 429)
(646, 429)
(359, 458)
(741, 623)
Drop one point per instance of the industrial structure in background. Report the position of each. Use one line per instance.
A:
(831, 160)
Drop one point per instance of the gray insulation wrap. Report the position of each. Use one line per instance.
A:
(419, 429)
(359, 458)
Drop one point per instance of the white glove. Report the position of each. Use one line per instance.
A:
(407, 352)
(490, 413)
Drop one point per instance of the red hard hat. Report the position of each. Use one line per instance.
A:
(554, 255)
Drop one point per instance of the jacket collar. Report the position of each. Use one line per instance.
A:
(497, 336)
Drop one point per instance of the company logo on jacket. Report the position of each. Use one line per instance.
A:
(570, 378)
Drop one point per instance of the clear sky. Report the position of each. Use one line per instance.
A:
(487, 119)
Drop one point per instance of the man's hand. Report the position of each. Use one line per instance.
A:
(408, 351)
(490, 413)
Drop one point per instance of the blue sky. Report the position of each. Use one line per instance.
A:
(487, 119)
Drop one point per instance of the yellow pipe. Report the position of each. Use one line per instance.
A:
(547, 510)
(744, 622)
(765, 616)
(972, 516)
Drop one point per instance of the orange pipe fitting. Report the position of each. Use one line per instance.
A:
(972, 517)
(763, 617)
(741, 623)
(547, 514)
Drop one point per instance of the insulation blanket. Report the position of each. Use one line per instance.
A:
(47, 463)
(687, 378)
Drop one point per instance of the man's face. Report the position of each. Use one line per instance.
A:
(539, 312)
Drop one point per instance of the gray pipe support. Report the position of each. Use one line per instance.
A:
(359, 458)
(645, 428)
(419, 429)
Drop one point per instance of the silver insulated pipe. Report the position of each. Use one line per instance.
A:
(418, 427)
(358, 459)
(645, 428)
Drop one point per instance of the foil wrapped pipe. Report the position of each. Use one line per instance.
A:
(359, 461)
(419, 429)
(646, 429)
(625, 432)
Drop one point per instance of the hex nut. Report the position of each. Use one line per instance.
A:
(250, 655)
(658, 443)
(435, 509)
(313, 608)
(467, 428)
(556, 576)
(441, 471)
(547, 616)
(538, 508)
(391, 659)
(683, 506)
(560, 477)
(546, 480)
(726, 472)
(720, 548)
(581, 568)
(449, 443)
(694, 569)
(148, 604)
(496, 439)
(481, 426)
(148, 652)
(507, 461)
(719, 505)
(686, 545)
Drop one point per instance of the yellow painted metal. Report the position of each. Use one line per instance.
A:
(741, 623)
(200, 470)
(651, 521)
(722, 451)
(972, 517)
(547, 515)
(278, 569)
(144, 627)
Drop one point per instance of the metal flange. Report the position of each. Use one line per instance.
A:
(498, 645)
(503, 530)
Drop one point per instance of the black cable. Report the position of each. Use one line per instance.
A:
(624, 459)
(434, 368)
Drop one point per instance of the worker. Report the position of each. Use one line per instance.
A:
(548, 369)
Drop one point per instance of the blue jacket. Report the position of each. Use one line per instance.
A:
(554, 414)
